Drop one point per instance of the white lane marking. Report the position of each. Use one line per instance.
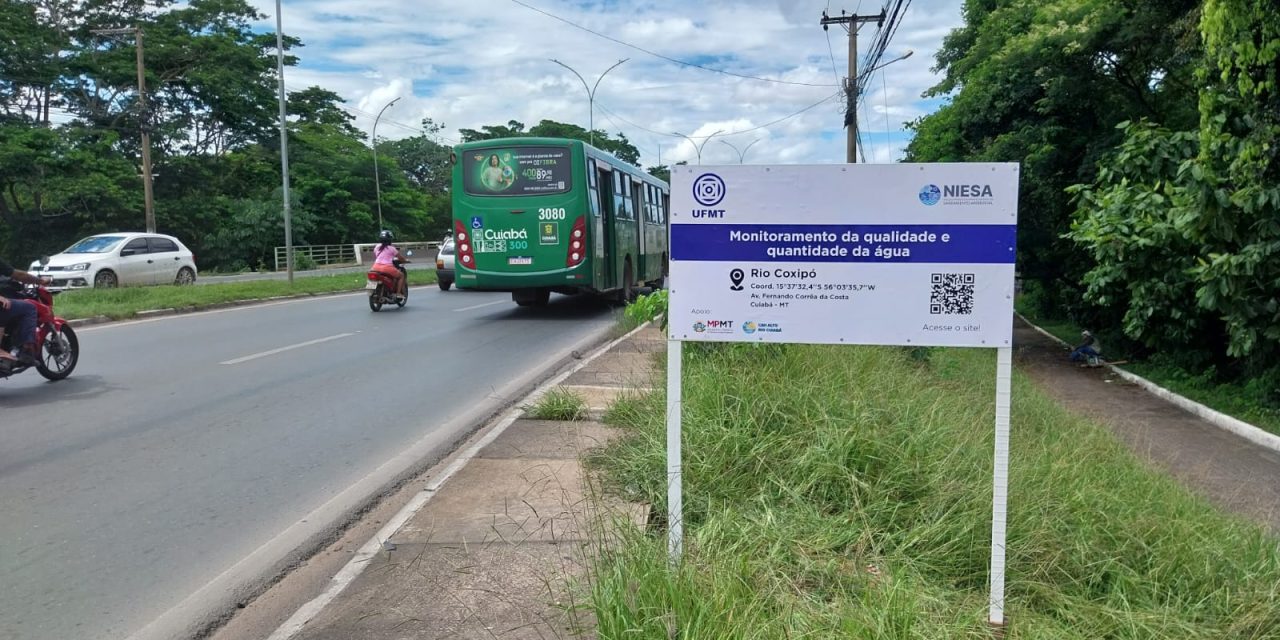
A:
(354, 567)
(487, 304)
(291, 347)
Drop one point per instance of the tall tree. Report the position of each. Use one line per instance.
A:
(1184, 226)
(315, 105)
(1044, 84)
(424, 160)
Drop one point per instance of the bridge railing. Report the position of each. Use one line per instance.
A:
(349, 255)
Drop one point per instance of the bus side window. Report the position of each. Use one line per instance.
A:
(666, 206)
(625, 184)
(593, 191)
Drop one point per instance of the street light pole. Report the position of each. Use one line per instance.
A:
(377, 184)
(591, 95)
(742, 154)
(284, 145)
(698, 147)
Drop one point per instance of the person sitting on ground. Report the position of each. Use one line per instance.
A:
(1087, 351)
(386, 258)
(21, 313)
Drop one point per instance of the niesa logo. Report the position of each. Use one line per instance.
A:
(699, 327)
(930, 194)
(956, 194)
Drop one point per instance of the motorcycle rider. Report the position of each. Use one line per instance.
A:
(19, 311)
(386, 258)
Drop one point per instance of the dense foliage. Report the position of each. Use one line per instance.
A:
(1147, 131)
(70, 118)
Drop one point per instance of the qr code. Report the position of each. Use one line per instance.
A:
(952, 294)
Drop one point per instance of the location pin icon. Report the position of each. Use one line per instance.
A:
(736, 276)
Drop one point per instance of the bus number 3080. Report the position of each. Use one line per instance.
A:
(552, 214)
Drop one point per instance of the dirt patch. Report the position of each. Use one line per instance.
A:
(1230, 471)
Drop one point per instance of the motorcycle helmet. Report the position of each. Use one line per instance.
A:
(386, 236)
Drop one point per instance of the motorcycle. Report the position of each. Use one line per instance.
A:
(382, 288)
(56, 344)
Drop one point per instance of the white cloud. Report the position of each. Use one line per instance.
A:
(481, 62)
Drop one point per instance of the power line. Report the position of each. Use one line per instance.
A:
(831, 52)
(659, 55)
(732, 133)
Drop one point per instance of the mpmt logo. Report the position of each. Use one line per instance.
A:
(720, 324)
(930, 194)
(708, 189)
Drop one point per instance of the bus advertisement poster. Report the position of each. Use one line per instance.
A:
(896, 254)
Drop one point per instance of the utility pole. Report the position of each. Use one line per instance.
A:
(147, 193)
(852, 24)
(284, 145)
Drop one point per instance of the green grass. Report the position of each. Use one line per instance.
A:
(559, 404)
(846, 492)
(1248, 401)
(126, 302)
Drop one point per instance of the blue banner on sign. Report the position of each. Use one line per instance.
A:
(921, 243)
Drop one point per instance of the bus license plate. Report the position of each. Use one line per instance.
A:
(520, 260)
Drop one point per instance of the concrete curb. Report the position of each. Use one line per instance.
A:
(1216, 418)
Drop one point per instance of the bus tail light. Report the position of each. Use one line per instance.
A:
(463, 246)
(577, 251)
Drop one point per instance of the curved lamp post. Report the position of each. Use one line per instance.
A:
(377, 184)
(742, 154)
(591, 95)
(698, 147)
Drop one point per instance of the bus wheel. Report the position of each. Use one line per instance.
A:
(628, 293)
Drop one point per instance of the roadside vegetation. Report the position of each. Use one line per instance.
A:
(559, 404)
(126, 302)
(846, 492)
(1150, 182)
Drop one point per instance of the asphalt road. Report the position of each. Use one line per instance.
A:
(186, 453)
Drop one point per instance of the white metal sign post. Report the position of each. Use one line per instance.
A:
(900, 254)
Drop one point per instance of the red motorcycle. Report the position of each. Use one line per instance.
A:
(56, 344)
(382, 288)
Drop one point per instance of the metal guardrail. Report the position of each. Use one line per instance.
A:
(344, 255)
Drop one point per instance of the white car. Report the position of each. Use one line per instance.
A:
(444, 265)
(119, 259)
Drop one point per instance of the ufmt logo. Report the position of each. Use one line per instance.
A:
(708, 190)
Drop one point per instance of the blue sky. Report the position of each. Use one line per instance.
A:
(468, 63)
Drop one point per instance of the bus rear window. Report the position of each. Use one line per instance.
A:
(517, 171)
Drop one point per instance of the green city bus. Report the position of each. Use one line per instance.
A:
(539, 215)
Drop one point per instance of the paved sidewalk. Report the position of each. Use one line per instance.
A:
(1231, 472)
(501, 551)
